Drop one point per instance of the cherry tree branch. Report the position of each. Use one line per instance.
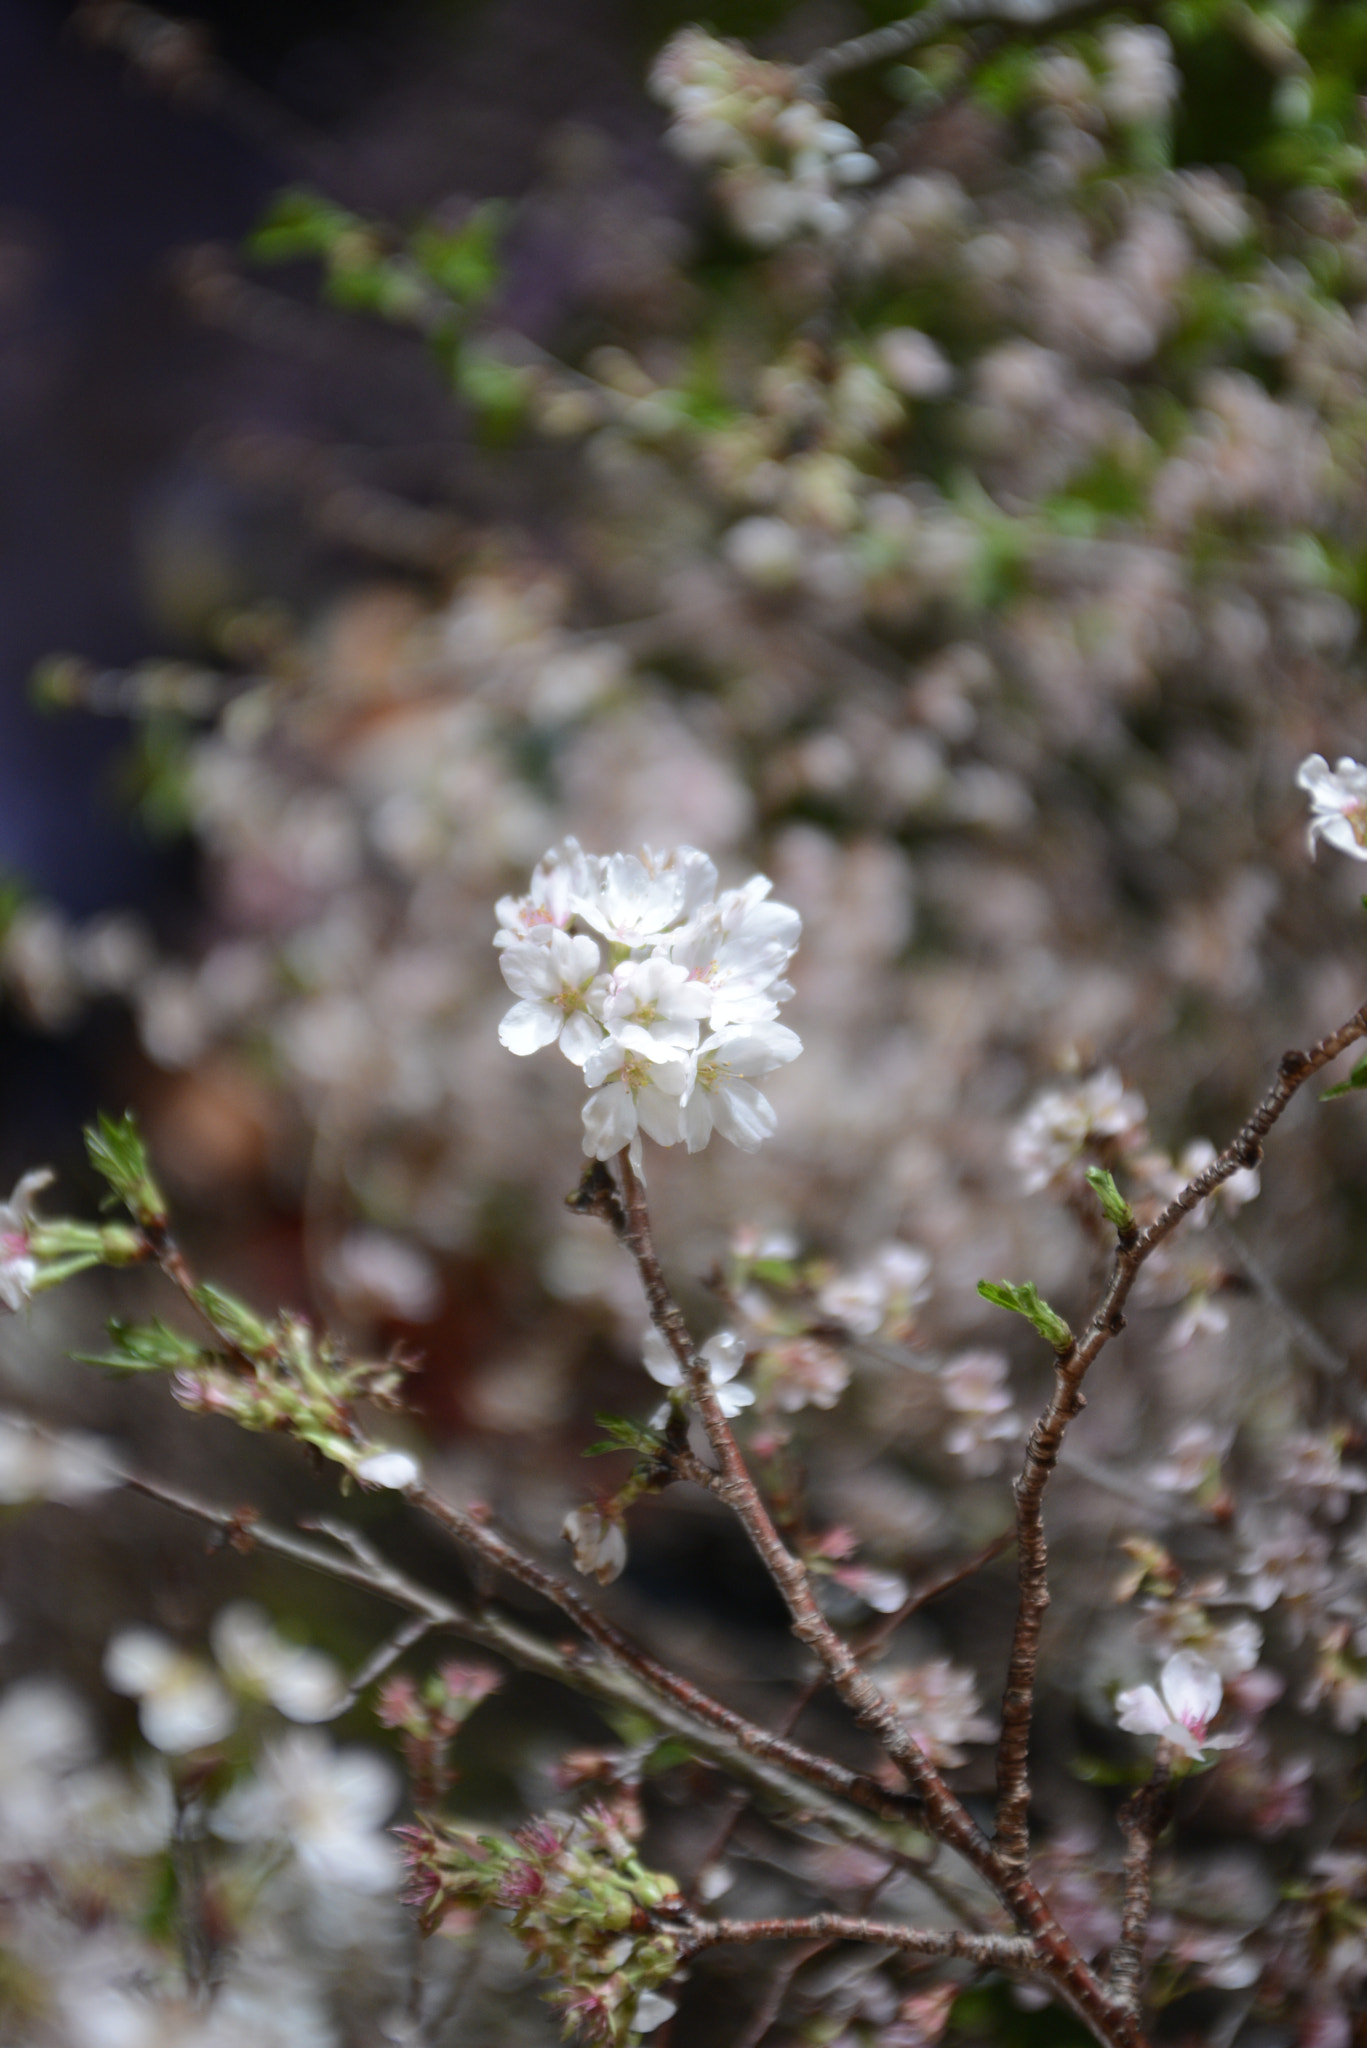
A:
(990, 1951)
(798, 1782)
(946, 1816)
(1142, 1820)
(1067, 1401)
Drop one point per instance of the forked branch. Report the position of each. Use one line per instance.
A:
(1066, 1402)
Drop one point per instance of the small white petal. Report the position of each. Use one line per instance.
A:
(393, 1469)
(1141, 1711)
(529, 1026)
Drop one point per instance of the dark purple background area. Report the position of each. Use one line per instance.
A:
(107, 378)
(111, 388)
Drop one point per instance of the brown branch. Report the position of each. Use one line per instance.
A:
(1067, 1400)
(991, 1951)
(914, 31)
(945, 1815)
(878, 1632)
(1142, 1820)
(382, 1659)
(658, 1679)
(826, 1795)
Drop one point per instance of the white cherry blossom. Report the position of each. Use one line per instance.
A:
(553, 978)
(1181, 1713)
(181, 1704)
(327, 1804)
(685, 964)
(1062, 1120)
(18, 1267)
(653, 1007)
(723, 1355)
(632, 900)
(632, 1094)
(889, 1285)
(302, 1684)
(740, 968)
(1338, 803)
(600, 1544)
(720, 1093)
(557, 878)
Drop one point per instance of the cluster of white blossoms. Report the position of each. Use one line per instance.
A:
(667, 1002)
(183, 1704)
(782, 162)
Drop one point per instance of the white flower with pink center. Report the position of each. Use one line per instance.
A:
(1182, 1711)
(723, 1355)
(1338, 803)
(553, 979)
(18, 1266)
(556, 879)
(653, 1007)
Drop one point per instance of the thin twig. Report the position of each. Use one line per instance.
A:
(879, 1632)
(1320, 1353)
(914, 31)
(381, 1660)
(1066, 1402)
(991, 1951)
(775, 1991)
(656, 1678)
(1142, 1820)
(827, 1799)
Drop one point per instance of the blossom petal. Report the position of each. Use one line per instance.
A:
(528, 1026)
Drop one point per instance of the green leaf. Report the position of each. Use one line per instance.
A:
(118, 1154)
(1357, 1079)
(145, 1347)
(1024, 1299)
(1114, 1207)
(624, 1435)
(301, 223)
(240, 1325)
(497, 390)
(465, 264)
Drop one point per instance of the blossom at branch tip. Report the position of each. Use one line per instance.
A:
(553, 979)
(599, 1541)
(1182, 1711)
(18, 1266)
(685, 964)
(723, 1355)
(721, 1095)
(1338, 803)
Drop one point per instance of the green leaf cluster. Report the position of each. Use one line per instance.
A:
(1024, 1299)
(118, 1155)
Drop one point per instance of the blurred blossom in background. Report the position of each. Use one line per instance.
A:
(946, 501)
